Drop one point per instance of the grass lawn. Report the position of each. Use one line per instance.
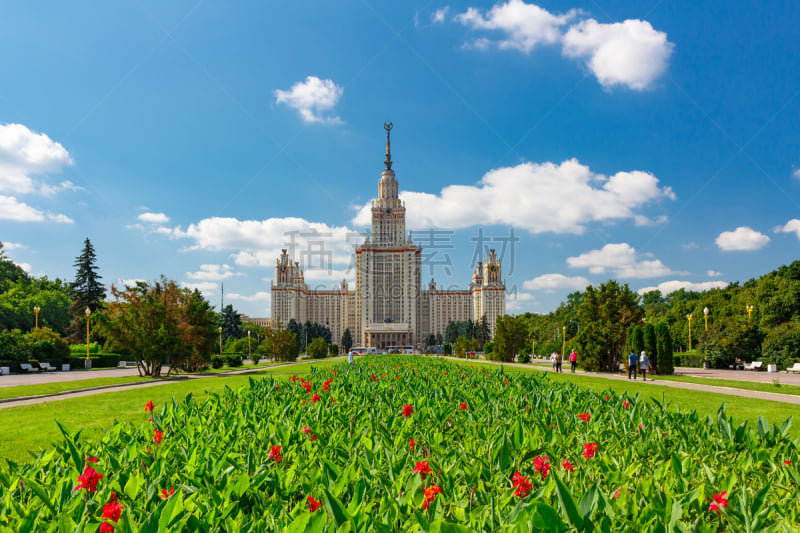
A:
(735, 384)
(31, 428)
(740, 408)
(49, 388)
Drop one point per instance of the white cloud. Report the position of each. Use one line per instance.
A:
(13, 209)
(691, 245)
(213, 273)
(440, 14)
(517, 301)
(50, 190)
(129, 282)
(8, 246)
(552, 282)
(24, 153)
(741, 239)
(312, 98)
(796, 173)
(622, 260)
(524, 25)
(203, 286)
(154, 218)
(629, 53)
(793, 226)
(669, 287)
(713, 273)
(540, 198)
(260, 296)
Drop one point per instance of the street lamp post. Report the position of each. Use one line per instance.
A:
(563, 339)
(36, 312)
(689, 317)
(220, 340)
(749, 309)
(705, 315)
(249, 353)
(88, 363)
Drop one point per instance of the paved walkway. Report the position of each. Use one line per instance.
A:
(38, 378)
(787, 379)
(122, 387)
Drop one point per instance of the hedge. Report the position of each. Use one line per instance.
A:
(99, 360)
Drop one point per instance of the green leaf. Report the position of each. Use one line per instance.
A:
(568, 505)
(335, 508)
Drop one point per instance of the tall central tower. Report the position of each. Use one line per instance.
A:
(388, 212)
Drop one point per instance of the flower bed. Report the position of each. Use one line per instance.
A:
(411, 444)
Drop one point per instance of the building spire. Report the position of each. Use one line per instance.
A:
(388, 127)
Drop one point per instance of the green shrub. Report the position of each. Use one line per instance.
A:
(233, 359)
(317, 348)
(81, 348)
(690, 360)
(217, 361)
(99, 360)
(255, 357)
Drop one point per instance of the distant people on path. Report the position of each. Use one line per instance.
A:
(573, 361)
(558, 361)
(632, 365)
(553, 359)
(644, 364)
(350, 357)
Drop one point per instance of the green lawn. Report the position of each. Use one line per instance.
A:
(31, 428)
(49, 388)
(740, 408)
(736, 384)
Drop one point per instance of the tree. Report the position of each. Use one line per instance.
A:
(231, 324)
(726, 340)
(464, 345)
(664, 353)
(605, 315)
(439, 339)
(317, 348)
(510, 334)
(635, 339)
(86, 291)
(482, 332)
(347, 341)
(159, 323)
(650, 344)
(280, 344)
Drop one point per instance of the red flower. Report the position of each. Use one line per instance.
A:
(720, 500)
(423, 469)
(616, 494)
(541, 465)
(148, 406)
(275, 453)
(313, 504)
(411, 444)
(165, 494)
(585, 417)
(407, 410)
(373, 378)
(430, 494)
(463, 406)
(293, 378)
(316, 398)
(313, 437)
(589, 450)
(88, 480)
(307, 429)
(788, 462)
(111, 511)
(626, 404)
(91, 459)
(523, 486)
(567, 466)
(158, 436)
(307, 386)
(608, 396)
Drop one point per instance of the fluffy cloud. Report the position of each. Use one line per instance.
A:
(50, 190)
(213, 273)
(260, 296)
(8, 246)
(741, 239)
(524, 25)
(793, 226)
(13, 209)
(517, 301)
(202, 286)
(129, 282)
(552, 282)
(796, 173)
(629, 53)
(440, 14)
(713, 273)
(24, 153)
(669, 287)
(154, 218)
(312, 98)
(622, 260)
(540, 198)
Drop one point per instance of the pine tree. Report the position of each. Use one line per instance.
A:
(347, 340)
(86, 291)
(231, 324)
(650, 344)
(664, 349)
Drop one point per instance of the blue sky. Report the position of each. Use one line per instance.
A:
(652, 142)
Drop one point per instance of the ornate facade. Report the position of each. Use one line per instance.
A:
(388, 306)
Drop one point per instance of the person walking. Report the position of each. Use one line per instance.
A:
(558, 361)
(632, 365)
(350, 357)
(573, 360)
(553, 359)
(644, 364)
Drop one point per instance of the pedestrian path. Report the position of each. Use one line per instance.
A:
(5, 404)
(730, 391)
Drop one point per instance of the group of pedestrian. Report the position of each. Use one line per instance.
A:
(556, 358)
(642, 360)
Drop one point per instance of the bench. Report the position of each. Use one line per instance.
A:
(125, 364)
(25, 367)
(755, 365)
(795, 368)
(46, 367)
